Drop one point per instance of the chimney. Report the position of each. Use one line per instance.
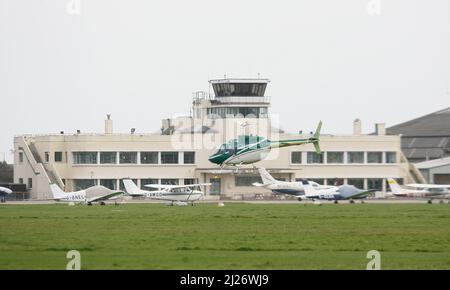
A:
(357, 127)
(380, 129)
(108, 125)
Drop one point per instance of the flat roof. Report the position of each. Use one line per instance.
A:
(433, 163)
(237, 80)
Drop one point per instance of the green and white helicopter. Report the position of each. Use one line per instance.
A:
(251, 149)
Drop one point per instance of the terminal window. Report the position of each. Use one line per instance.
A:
(357, 182)
(355, 157)
(128, 157)
(375, 183)
(247, 180)
(109, 183)
(169, 181)
(189, 157)
(296, 157)
(20, 157)
(335, 157)
(149, 157)
(169, 157)
(375, 157)
(80, 184)
(108, 157)
(146, 181)
(85, 157)
(391, 157)
(58, 157)
(314, 158)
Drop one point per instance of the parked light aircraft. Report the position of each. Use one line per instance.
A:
(285, 187)
(87, 196)
(251, 149)
(179, 195)
(420, 190)
(3, 192)
(343, 192)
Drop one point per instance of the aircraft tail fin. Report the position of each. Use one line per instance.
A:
(130, 187)
(56, 191)
(395, 188)
(316, 138)
(265, 176)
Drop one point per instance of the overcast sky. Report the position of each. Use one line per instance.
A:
(64, 68)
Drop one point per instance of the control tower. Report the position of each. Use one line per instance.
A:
(233, 98)
(231, 107)
(234, 105)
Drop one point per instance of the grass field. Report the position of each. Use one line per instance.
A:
(237, 236)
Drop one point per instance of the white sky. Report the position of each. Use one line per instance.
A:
(141, 60)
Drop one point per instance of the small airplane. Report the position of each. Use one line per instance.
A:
(251, 149)
(285, 187)
(87, 196)
(3, 193)
(179, 195)
(420, 191)
(343, 192)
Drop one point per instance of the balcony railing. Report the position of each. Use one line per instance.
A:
(230, 99)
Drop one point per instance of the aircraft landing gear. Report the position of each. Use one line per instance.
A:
(299, 199)
(102, 203)
(89, 203)
(430, 201)
(352, 201)
(336, 202)
(363, 202)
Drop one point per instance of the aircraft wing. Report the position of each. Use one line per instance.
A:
(363, 193)
(106, 197)
(167, 186)
(5, 190)
(430, 186)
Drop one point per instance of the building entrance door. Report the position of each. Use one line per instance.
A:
(442, 179)
(215, 186)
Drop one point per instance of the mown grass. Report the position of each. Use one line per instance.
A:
(237, 236)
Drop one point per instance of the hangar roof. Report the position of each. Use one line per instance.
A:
(433, 163)
(434, 124)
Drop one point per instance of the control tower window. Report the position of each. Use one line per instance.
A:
(239, 89)
(238, 112)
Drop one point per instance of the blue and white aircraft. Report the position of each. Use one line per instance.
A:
(285, 187)
(343, 192)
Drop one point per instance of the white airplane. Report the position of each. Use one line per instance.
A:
(3, 192)
(284, 187)
(343, 192)
(179, 195)
(87, 196)
(420, 190)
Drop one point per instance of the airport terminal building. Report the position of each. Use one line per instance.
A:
(179, 153)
